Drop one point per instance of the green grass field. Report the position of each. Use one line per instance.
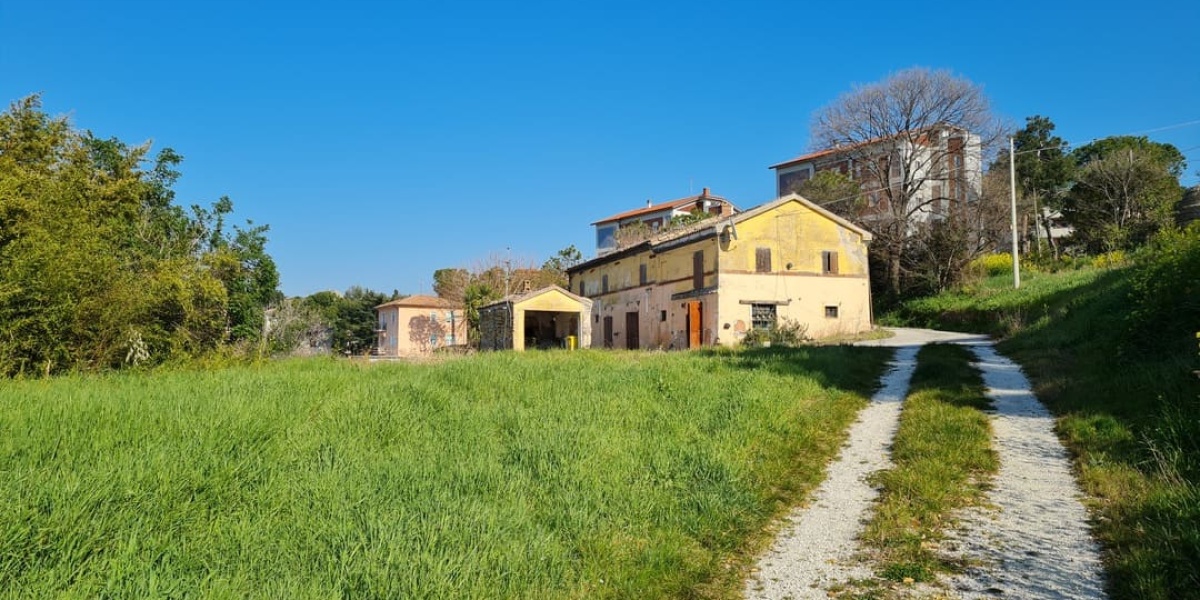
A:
(539, 475)
(1115, 363)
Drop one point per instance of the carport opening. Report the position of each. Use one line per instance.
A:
(549, 329)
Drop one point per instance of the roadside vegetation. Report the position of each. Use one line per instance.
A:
(1110, 344)
(943, 460)
(539, 475)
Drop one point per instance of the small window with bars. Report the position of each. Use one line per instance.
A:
(831, 312)
(762, 316)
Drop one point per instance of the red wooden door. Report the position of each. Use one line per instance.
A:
(694, 321)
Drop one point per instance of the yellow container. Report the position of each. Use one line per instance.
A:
(572, 342)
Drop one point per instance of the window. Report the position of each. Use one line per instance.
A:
(831, 312)
(604, 284)
(698, 269)
(642, 274)
(829, 263)
(762, 316)
(606, 237)
(662, 316)
(790, 182)
(762, 260)
(581, 287)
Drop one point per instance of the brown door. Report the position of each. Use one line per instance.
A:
(631, 331)
(608, 332)
(693, 323)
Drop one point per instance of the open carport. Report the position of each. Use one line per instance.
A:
(541, 319)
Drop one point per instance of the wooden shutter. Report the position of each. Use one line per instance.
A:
(829, 263)
(762, 260)
(698, 269)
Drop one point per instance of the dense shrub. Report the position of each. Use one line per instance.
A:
(1166, 290)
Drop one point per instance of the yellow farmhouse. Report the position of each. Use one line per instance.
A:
(713, 282)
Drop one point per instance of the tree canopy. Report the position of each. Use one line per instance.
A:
(1126, 190)
(100, 268)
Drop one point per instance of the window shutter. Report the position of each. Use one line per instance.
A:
(762, 260)
(829, 263)
(698, 269)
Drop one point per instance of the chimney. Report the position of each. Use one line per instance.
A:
(649, 203)
(704, 193)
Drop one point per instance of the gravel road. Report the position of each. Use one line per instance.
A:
(1035, 542)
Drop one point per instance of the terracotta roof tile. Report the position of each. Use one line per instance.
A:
(420, 301)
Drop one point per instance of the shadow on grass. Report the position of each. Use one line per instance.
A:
(855, 369)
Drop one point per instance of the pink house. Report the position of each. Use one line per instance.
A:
(419, 325)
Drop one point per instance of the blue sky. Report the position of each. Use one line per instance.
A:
(383, 140)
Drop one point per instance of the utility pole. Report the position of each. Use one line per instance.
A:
(507, 270)
(1012, 176)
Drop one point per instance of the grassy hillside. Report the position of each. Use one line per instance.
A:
(1112, 352)
(543, 475)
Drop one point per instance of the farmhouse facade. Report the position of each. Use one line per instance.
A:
(418, 325)
(713, 282)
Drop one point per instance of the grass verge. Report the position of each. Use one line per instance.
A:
(538, 475)
(943, 459)
(1112, 353)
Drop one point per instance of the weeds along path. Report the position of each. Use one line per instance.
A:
(1035, 542)
(818, 546)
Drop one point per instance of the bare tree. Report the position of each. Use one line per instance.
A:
(938, 255)
(898, 135)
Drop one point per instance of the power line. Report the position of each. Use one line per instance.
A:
(1065, 145)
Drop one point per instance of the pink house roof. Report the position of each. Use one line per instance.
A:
(420, 301)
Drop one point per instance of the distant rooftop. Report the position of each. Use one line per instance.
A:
(669, 205)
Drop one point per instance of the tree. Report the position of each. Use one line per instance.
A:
(451, 284)
(1126, 191)
(99, 268)
(834, 191)
(1044, 170)
(938, 258)
(556, 266)
(879, 127)
(296, 327)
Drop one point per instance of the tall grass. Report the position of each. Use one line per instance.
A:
(942, 458)
(540, 475)
(1111, 352)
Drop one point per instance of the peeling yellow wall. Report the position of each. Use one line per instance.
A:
(667, 273)
(796, 235)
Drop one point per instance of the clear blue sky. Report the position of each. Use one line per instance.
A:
(383, 140)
